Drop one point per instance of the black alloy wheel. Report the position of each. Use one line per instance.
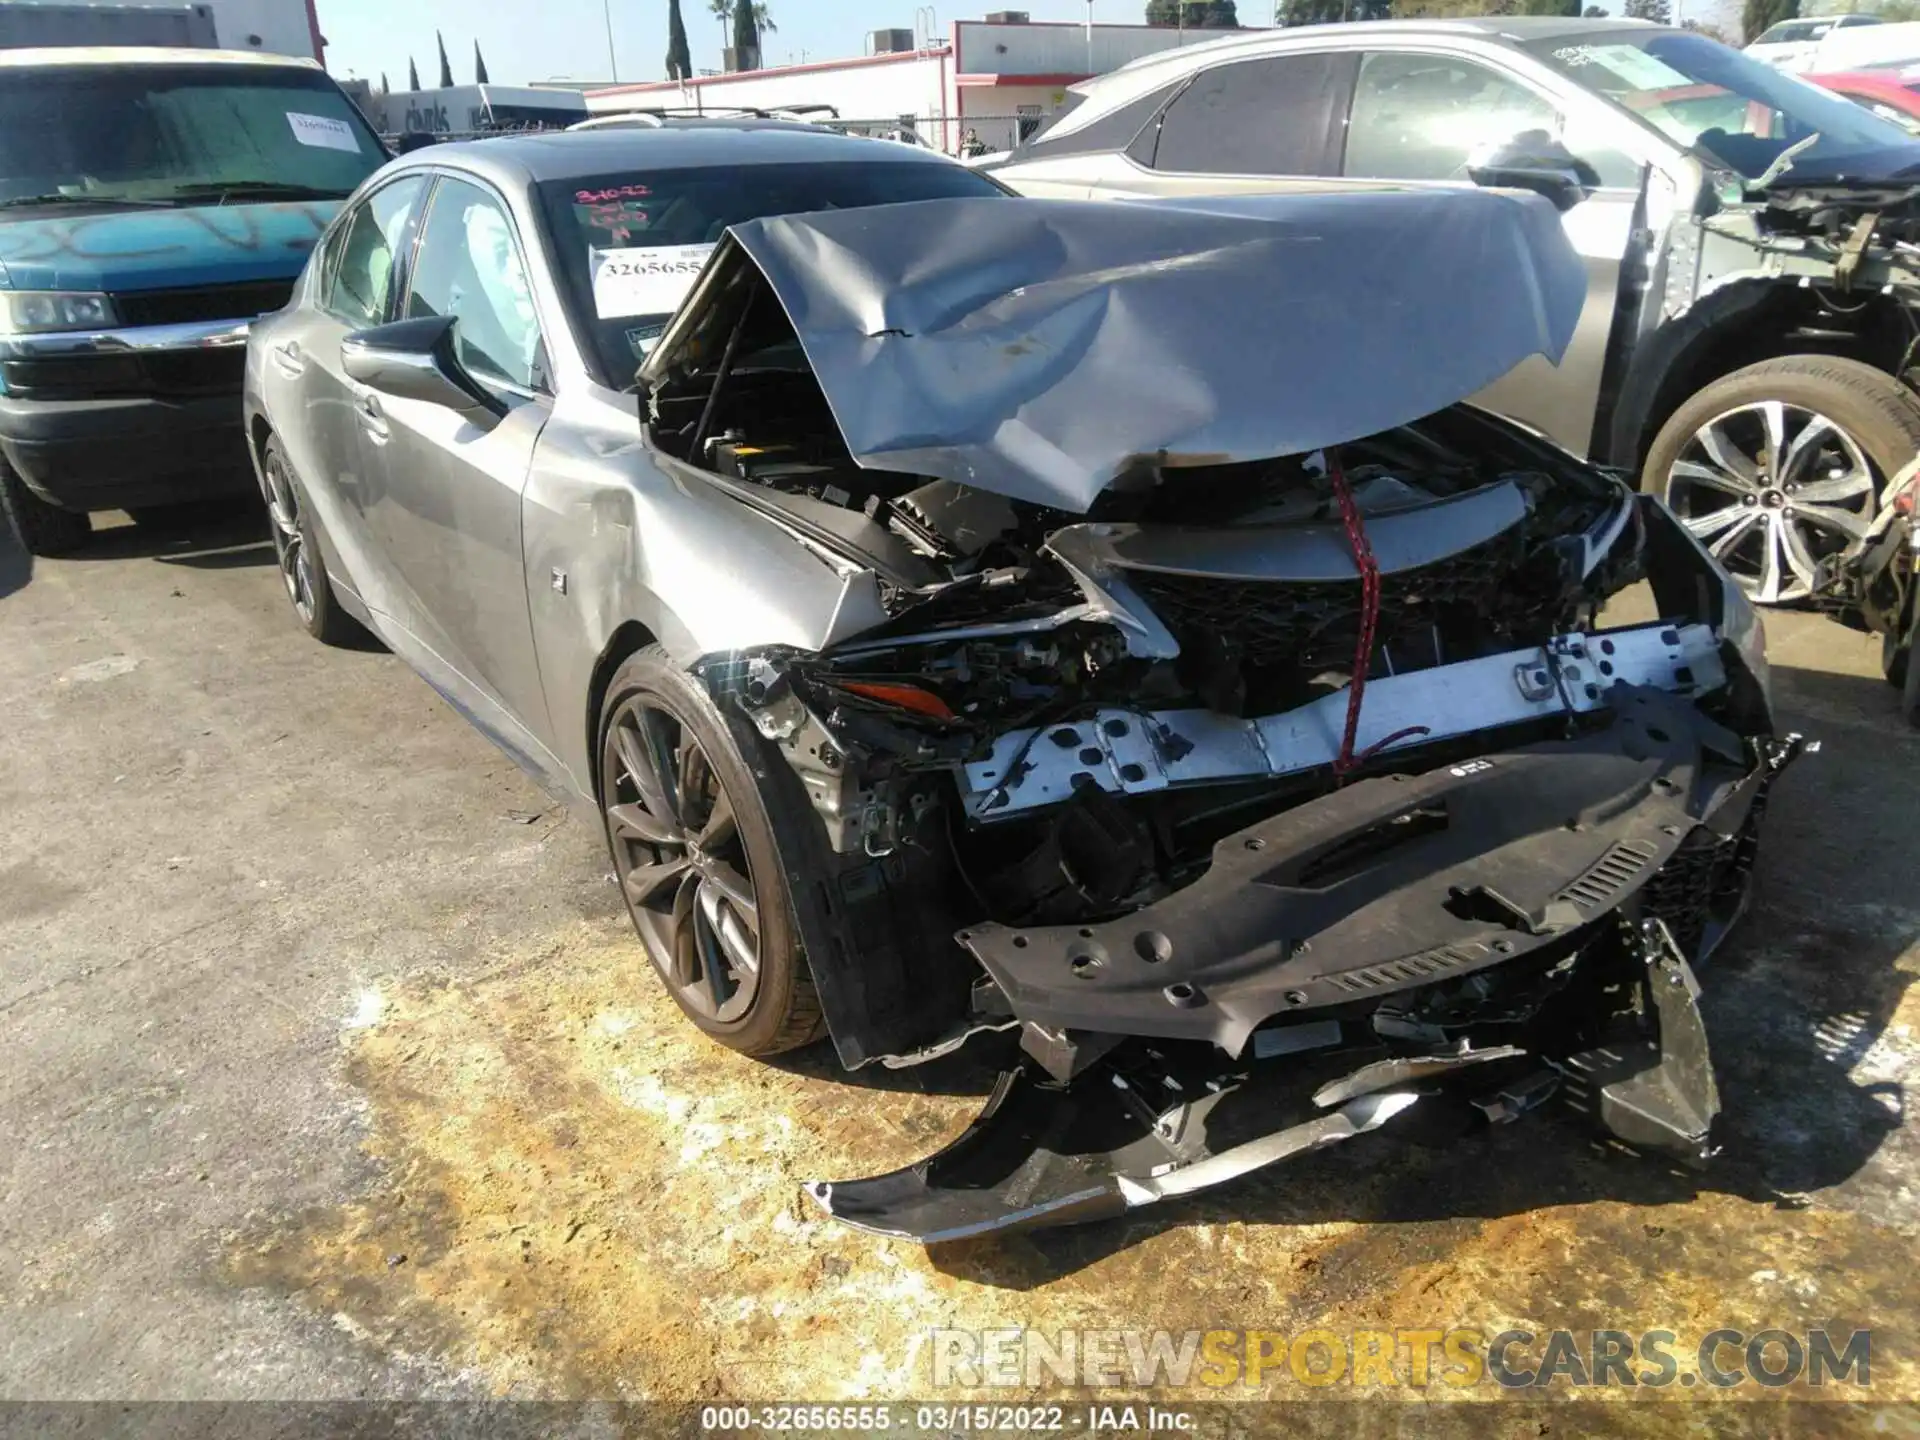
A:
(697, 864)
(296, 549)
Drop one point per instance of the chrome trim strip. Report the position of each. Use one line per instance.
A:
(132, 340)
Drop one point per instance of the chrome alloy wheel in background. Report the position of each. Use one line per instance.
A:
(1773, 490)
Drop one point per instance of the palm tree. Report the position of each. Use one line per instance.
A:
(679, 60)
(723, 12)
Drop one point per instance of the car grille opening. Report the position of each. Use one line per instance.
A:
(160, 374)
(202, 302)
(1702, 880)
(1315, 623)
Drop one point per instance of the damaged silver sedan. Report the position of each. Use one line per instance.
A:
(1104, 624)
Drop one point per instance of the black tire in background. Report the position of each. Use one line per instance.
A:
(698, 865)
(1909, 672)
(296, 548)
(1869, 407)
(44, 529)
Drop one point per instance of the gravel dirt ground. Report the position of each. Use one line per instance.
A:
(333, 1071)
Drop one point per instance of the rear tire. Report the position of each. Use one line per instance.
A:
(44, 529)
(698, 865)
(1777, 467)
(296, 547)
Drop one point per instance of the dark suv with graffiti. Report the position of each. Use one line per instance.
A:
(152, 203)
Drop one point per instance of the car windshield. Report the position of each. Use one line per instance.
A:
(1794, 31)
(631, 244)
(1735, 111)
(190, 134)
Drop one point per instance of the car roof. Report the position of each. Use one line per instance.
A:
(1104, 94)
(513, 161)
(1512, 29)
(142, 55)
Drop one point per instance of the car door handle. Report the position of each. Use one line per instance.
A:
(372, 418)
(286, 359)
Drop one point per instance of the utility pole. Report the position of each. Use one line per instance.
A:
(613, 61)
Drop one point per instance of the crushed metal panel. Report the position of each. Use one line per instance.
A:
(1042, 348)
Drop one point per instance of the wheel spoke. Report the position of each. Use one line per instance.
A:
(639, 754)
(1708, 475)
(720, 826)
(1849, 486)
(741, 946)
(1776, 417)
(710, 988)
(636, 823)
(1767, 592)
(1806, 445)
(1800, 559)
(684, 972)
(1728, 456)
(643, 882)
(690, 765)
(1832, 517)
(1706, 526)
(282, 508)
(736, 890)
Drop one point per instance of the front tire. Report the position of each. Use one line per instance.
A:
(44, 529)
(296, 547)
(1778, 468)
(695, 855)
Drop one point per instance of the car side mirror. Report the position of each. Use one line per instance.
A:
(414, 360)
(1536, 161)
(1564, 188)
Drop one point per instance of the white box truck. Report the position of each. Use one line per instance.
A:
(265, 27)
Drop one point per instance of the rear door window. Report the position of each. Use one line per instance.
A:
(1275, 116)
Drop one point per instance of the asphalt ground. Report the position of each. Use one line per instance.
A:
(332, 1071)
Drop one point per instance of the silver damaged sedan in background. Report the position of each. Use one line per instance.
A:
(1098, 623)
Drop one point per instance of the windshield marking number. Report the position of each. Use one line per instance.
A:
(321, 133)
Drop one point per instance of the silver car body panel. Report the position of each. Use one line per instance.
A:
(1041, 350)
(503, 567)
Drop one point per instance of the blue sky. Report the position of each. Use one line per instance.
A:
(542, 39)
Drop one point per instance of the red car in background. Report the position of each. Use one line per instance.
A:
(1892, 94)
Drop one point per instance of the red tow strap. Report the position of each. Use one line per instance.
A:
(1347, 761)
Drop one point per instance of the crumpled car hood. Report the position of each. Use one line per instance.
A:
(1042, 348)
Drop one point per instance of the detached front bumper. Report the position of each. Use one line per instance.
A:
(1493, 933)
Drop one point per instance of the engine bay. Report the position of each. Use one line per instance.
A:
(1069, 711)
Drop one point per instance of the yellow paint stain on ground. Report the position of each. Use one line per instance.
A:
(575, 1194)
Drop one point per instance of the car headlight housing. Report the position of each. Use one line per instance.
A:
(41, 312)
